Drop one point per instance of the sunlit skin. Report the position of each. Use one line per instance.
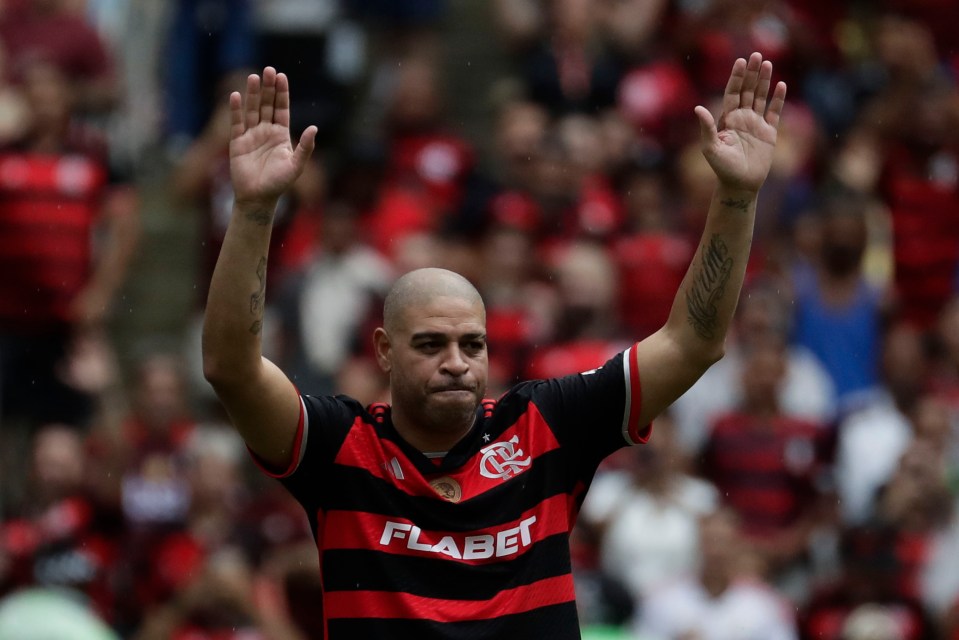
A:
(434, 350)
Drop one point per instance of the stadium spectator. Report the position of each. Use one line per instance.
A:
(882, 427)
(769, 468)
(584, 331)
(59, 193)
(867, 582)
(519, 302)
(838, 314)
(722, 600)
(209, 46)
(427, 163)
(326, 305)
(218, 603)
(62, 535)
(50, 31)
(919, 180)
(651, 253)
(647, 515)
(805, 391)
(562, 59)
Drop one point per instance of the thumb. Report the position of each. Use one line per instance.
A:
(304, 149)
(707, 126)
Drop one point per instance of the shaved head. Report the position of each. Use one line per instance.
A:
(420, 286)
(433, 347)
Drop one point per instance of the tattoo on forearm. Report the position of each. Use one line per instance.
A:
(738, 205)
(261, 217)
(258, 297)
(706, 290)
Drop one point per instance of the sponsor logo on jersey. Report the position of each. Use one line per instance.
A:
(502, 459)
(506, 542)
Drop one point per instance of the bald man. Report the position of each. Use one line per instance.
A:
(445, 515)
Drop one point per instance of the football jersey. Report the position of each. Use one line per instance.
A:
(473, 545)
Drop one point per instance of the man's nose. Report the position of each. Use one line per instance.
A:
(455, 363)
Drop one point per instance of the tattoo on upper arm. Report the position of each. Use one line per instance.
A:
(258, 297)
(261, 217)
(738, 205)
(706, 290)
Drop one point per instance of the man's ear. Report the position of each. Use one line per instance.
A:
(383, 349)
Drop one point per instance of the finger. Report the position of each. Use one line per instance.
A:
(252, 100)
(707, 126)
(267, 95)
(281, 115)
(775, 109)
(750, 81)
(236, 115)
(762, 89)
(304, 149)
(734, 86)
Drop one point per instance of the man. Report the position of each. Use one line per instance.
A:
(722, 599)
(446, 515)
(58, 192)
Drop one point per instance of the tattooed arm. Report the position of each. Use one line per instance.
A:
(260, 399)
(740, 153)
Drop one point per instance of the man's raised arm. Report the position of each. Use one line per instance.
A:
(260, 399)
(740, 153)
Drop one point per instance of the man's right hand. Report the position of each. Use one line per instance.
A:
(263, 162)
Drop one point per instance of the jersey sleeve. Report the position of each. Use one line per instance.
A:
(596, 412)
(322, 427)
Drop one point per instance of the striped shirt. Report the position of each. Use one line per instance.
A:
(476, 546)
(49, 204)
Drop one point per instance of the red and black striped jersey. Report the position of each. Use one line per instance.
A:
(49, 205)
(476, 546)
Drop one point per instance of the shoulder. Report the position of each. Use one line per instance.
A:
(341, 411)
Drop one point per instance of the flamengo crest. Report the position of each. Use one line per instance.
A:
(502, 459)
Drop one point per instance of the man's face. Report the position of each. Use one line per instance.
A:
(437, 360)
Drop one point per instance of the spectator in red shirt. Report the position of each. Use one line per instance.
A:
(920, 174)
(63, 535)
(427, 164)
(220, 603)
(585, 331)
(866, 583)
(767, 464)
(652, 256)
(57, 189)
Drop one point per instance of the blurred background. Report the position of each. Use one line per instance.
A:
(546, 149)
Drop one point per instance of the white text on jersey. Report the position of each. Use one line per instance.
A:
(504, 543)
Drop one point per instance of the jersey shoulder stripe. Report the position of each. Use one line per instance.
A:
(297, 451)
(633, 432)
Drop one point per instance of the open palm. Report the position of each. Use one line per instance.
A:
(740, 151)
(263, 162)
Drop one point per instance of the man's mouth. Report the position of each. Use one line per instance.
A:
(452, 389)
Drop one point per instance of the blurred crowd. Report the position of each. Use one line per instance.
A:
(805, 488)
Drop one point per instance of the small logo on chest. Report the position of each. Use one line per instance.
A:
(448, 488)
(502, 460)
